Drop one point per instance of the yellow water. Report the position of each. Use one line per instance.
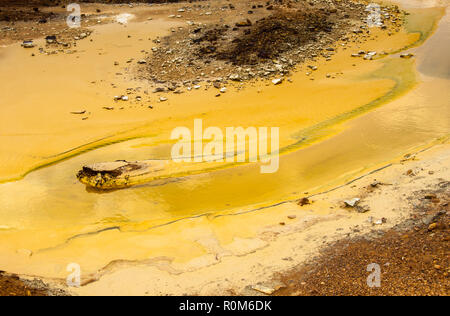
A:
(331, 130)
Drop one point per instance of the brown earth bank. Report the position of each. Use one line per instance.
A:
(413, 256)
(13, 285)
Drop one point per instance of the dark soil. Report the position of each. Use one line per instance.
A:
(272, 36)
(12, 285)
(413, 256)
(32, 10)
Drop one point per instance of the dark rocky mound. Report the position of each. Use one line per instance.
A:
(276, 34)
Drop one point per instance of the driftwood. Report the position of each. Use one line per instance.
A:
(120, 174)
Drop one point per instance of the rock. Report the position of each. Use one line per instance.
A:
(159, 90)
(362, 209)
(277, 81)
(410, 172)
(246, 23)
(235, 77)
(263, 289)
(223, 90)
(369, 55)
(78, 112)
(163, 99)
(379, 221)
(352, 203)
(407, 56)
(124, 98)
(51, 39)
(292, 217)
(432, 226)
(28, 44)
(427, 220)
(142, 62)
(304, 201)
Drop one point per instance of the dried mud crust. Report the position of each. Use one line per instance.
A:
(258, 40)
(413, 256)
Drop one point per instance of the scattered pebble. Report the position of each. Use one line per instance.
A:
(353, 202)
